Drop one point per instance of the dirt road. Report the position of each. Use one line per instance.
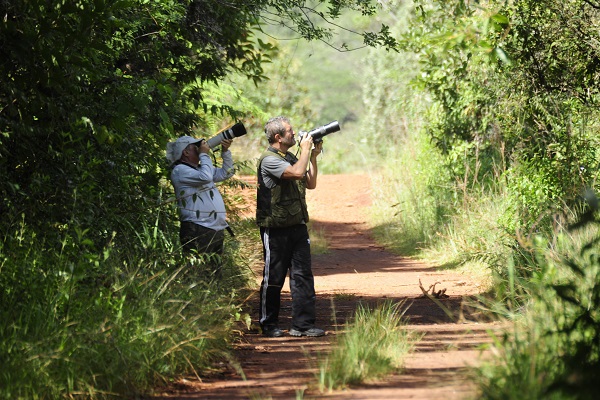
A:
(356, 270)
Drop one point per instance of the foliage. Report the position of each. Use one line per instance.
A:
(282, 94)
(516, 137)
(513, 92)
(92, 93)
(313, 21)
(511, 78)
(109, 323)
(305, 81)
(374, 344)
(553, 350)
(412, 197)
(450, 40)
(98, 88)
(421, 190)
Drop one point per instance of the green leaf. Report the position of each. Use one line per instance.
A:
(501, 54)
(500, 19)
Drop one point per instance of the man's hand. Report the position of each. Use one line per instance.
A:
(306, 143)
(317, 149)
(203, 148)
(225, 143)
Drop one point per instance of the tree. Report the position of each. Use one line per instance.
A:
(92, 91)
(520, 77)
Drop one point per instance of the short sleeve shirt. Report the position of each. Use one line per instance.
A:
(272, 168)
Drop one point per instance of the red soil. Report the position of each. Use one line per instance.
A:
(356, 269)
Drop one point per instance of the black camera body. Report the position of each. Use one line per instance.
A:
(318, 133)
(236, 130)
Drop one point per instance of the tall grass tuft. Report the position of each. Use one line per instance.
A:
(373, 345)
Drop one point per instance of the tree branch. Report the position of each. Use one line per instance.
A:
(593, 5)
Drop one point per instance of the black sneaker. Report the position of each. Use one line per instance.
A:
(272, 332)
(312, 332)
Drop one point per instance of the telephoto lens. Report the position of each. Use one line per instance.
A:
(318, 133)
(236, 130)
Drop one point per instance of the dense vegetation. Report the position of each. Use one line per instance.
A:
(495, 156)
(480, 120)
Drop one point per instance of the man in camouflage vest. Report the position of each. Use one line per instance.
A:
(282, 215)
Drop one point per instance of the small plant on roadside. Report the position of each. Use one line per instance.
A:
(318, 241)
(340, 296)
(373, 345)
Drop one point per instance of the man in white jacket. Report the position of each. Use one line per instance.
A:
(201, 206)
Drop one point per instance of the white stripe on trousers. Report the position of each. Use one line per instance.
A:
(263, 300)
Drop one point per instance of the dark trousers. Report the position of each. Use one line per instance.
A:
(287, 249)
(201, 240)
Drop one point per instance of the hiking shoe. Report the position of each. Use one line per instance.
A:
(312, 332)
(272, 332)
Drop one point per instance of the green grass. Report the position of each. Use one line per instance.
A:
(318, 241)
(409, 206)
(417, 212)
(341, 296)
(116, 322)
(373, 345)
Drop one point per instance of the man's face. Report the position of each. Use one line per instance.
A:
(193, 153)
(289, 137)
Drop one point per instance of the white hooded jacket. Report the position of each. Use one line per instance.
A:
(198, 198)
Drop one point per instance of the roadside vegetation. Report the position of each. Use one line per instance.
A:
(120, 321)
(552, 350)
(491, 168)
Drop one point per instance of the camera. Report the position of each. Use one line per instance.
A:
(318, 133)
(236, 130)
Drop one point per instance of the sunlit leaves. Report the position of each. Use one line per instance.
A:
(311, 21)
(381, 39)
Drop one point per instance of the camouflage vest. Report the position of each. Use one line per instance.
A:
(285, 204)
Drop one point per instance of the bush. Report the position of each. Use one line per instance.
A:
(111, 322)
(553, 349)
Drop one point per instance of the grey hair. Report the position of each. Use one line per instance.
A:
(276, 126)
